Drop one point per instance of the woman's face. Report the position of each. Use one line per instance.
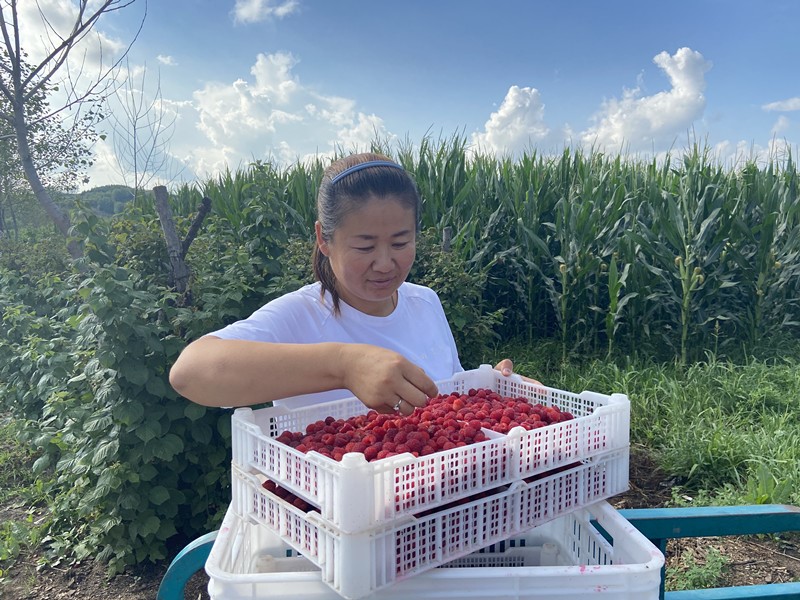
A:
(371, 253)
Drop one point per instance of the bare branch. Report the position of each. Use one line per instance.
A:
(194, 228)
(44, 149)
(46, 70)
(142, 130)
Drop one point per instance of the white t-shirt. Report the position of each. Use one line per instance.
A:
(417, 329)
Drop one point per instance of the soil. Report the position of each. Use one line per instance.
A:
(750, 559)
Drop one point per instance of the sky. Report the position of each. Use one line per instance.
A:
(284, 80)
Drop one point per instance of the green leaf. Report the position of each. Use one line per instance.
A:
(193, 411)
(98, 422)
(104, 451)
(129, 501)
(156, 386)
(148, 472)
(202, 433)
(41, 463)
(148, 430)
(107, 359)
(166, 530)
(158, 495)
(167, 447)
(224, 426)
(150, 526)
(129, 413)
(135, 372)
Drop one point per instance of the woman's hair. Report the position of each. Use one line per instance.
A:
(347, 184)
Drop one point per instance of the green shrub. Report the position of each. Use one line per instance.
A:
(461, 291)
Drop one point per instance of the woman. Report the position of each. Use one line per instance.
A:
(360, 330)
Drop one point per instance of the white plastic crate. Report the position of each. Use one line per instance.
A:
(356, 495)
(567, 558)
(358, 564)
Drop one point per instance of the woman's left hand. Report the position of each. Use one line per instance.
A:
(506, 367)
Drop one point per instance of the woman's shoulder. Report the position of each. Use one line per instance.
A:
(415, 291)
(307, 296)
(310, 290)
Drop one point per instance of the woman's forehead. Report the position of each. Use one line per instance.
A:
(378, 213)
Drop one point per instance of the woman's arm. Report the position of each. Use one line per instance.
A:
(218, 372)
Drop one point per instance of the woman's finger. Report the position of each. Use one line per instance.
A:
(505, 366)
(420, 387)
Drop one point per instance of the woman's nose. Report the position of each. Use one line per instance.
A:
(383, 261)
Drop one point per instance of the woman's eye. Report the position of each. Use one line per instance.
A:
(368, 249)
(400, 245)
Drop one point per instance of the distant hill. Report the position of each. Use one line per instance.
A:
(107, 200)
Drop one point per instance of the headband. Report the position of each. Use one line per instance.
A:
(365, 165)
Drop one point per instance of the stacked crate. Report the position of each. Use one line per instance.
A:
(567, 558)
(381, 522)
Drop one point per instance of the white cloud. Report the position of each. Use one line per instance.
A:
(166, 60)
(254, 11)
(639, 122)
(783, 105)
(517, 125)
(737, 155)
(45, 23)
(273, 75)
(273, 115)
(781, 126)
(105, 169)
(360, 131)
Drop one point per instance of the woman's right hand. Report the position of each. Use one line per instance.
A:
(385, 380)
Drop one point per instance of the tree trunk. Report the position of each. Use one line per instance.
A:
(179, 270)
(59, 217)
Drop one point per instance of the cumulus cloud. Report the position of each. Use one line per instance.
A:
(737, 155)
(45, 23)
(273, 77)
(781, 126)
(783, 105)
(640, 122)
(517, 125)
(255, 11)
(166, 60)
(272, 115)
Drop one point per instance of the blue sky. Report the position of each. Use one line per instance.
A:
(253, 79)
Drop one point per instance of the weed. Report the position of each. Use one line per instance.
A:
(693, 572)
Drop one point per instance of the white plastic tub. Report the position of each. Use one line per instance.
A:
(567, 558)
(355, 495)
(358, 564)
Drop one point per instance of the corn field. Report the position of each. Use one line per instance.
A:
(674, 258)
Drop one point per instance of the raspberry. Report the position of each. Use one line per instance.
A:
(448, 421)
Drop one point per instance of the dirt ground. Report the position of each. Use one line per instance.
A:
(751, 560)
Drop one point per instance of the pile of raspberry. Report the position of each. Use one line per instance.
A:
(447, 421)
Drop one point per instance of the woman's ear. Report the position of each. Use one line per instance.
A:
(321, 243)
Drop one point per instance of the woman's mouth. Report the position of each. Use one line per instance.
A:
(382, 283)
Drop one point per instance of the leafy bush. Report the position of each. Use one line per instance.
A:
(461, 292)
(134, 464)
(86, 370)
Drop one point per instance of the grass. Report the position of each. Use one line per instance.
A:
(727, 432)
(696, 573)
(22, 496)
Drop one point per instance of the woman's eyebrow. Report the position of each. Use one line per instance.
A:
(368, 237)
